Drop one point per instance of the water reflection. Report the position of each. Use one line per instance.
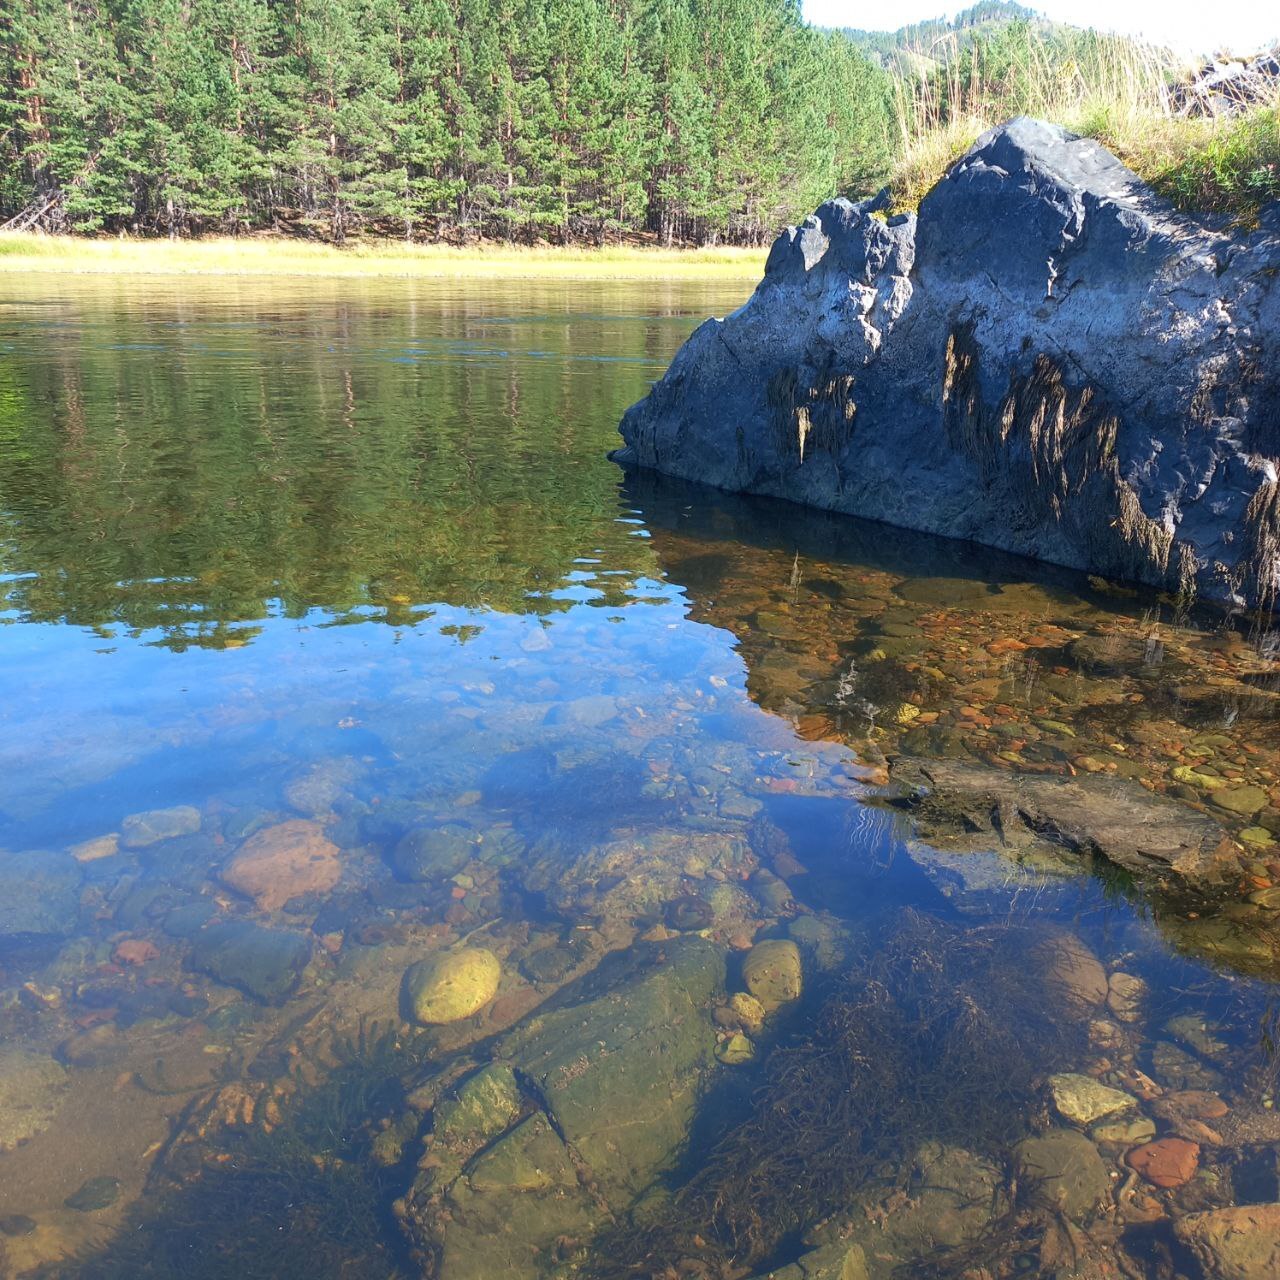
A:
(426, 856)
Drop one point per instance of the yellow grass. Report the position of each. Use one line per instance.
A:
(267, 256)
(1105, 87)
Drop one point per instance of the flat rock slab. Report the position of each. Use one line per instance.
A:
(620, 1072)
(1114, 818)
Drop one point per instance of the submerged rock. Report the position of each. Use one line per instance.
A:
(1168, 1162)
(96, 1193)
(284, 862)
(31, 1088)
(265, 963)
(621, 1071)
(433, 853)
(1049, 359)
(451, 985)
(39, 896)
(976, 807)
(773, 972)
(1068, 1168)
(585, 1106)
(1241, 1243)
(1082, 1099)
(954, 1195)
(141, 830)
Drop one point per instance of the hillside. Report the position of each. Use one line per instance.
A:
(938, 37)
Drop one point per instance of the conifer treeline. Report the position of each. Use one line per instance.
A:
(696, 120)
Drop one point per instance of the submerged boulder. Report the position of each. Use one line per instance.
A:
(1049, 359)
(450, 985)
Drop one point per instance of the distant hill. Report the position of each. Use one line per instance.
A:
(890, 47)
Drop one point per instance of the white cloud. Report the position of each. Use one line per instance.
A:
(1242, 26)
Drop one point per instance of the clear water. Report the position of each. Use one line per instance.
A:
(350, 557)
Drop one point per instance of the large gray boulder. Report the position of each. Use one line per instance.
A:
(1049, 360)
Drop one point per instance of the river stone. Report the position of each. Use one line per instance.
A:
(842, 1260)
(265, 963)
(39, 896)
(1068, 1168)
(1169, 1162)
(955, 1194)
(1082, 1099)
(772, 972)
(618, 1065)
(1245, 801)
(1240, 1243)
(735, 1051)
(1125, 994)
(1123, 1132)
(450, 985)
(481, 1107)
(140, 830)
(283, 862)
(907, 369)
(31, 1088)
(1175, 1068)
(434, 853)
(748, 1011)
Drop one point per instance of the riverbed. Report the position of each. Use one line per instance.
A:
(811, 895)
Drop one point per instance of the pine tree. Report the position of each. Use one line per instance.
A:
(696, 120)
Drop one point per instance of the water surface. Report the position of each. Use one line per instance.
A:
(339, 575)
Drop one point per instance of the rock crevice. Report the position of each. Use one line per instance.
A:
(1049, 360)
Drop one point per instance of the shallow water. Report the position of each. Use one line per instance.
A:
(333, 642)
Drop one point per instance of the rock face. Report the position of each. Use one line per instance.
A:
(1049, 360)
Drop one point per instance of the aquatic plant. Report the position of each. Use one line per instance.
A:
(303, 1198)
(933, 1033)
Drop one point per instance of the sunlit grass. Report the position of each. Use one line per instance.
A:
(266, 256)
(1105, 87)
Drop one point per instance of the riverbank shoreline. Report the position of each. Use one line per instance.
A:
(272, 256)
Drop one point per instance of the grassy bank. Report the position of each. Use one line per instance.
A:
(266, 256)
(1105, 87)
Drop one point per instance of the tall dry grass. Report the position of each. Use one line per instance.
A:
(1107, 87)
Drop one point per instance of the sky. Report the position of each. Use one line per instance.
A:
(1191, 26)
